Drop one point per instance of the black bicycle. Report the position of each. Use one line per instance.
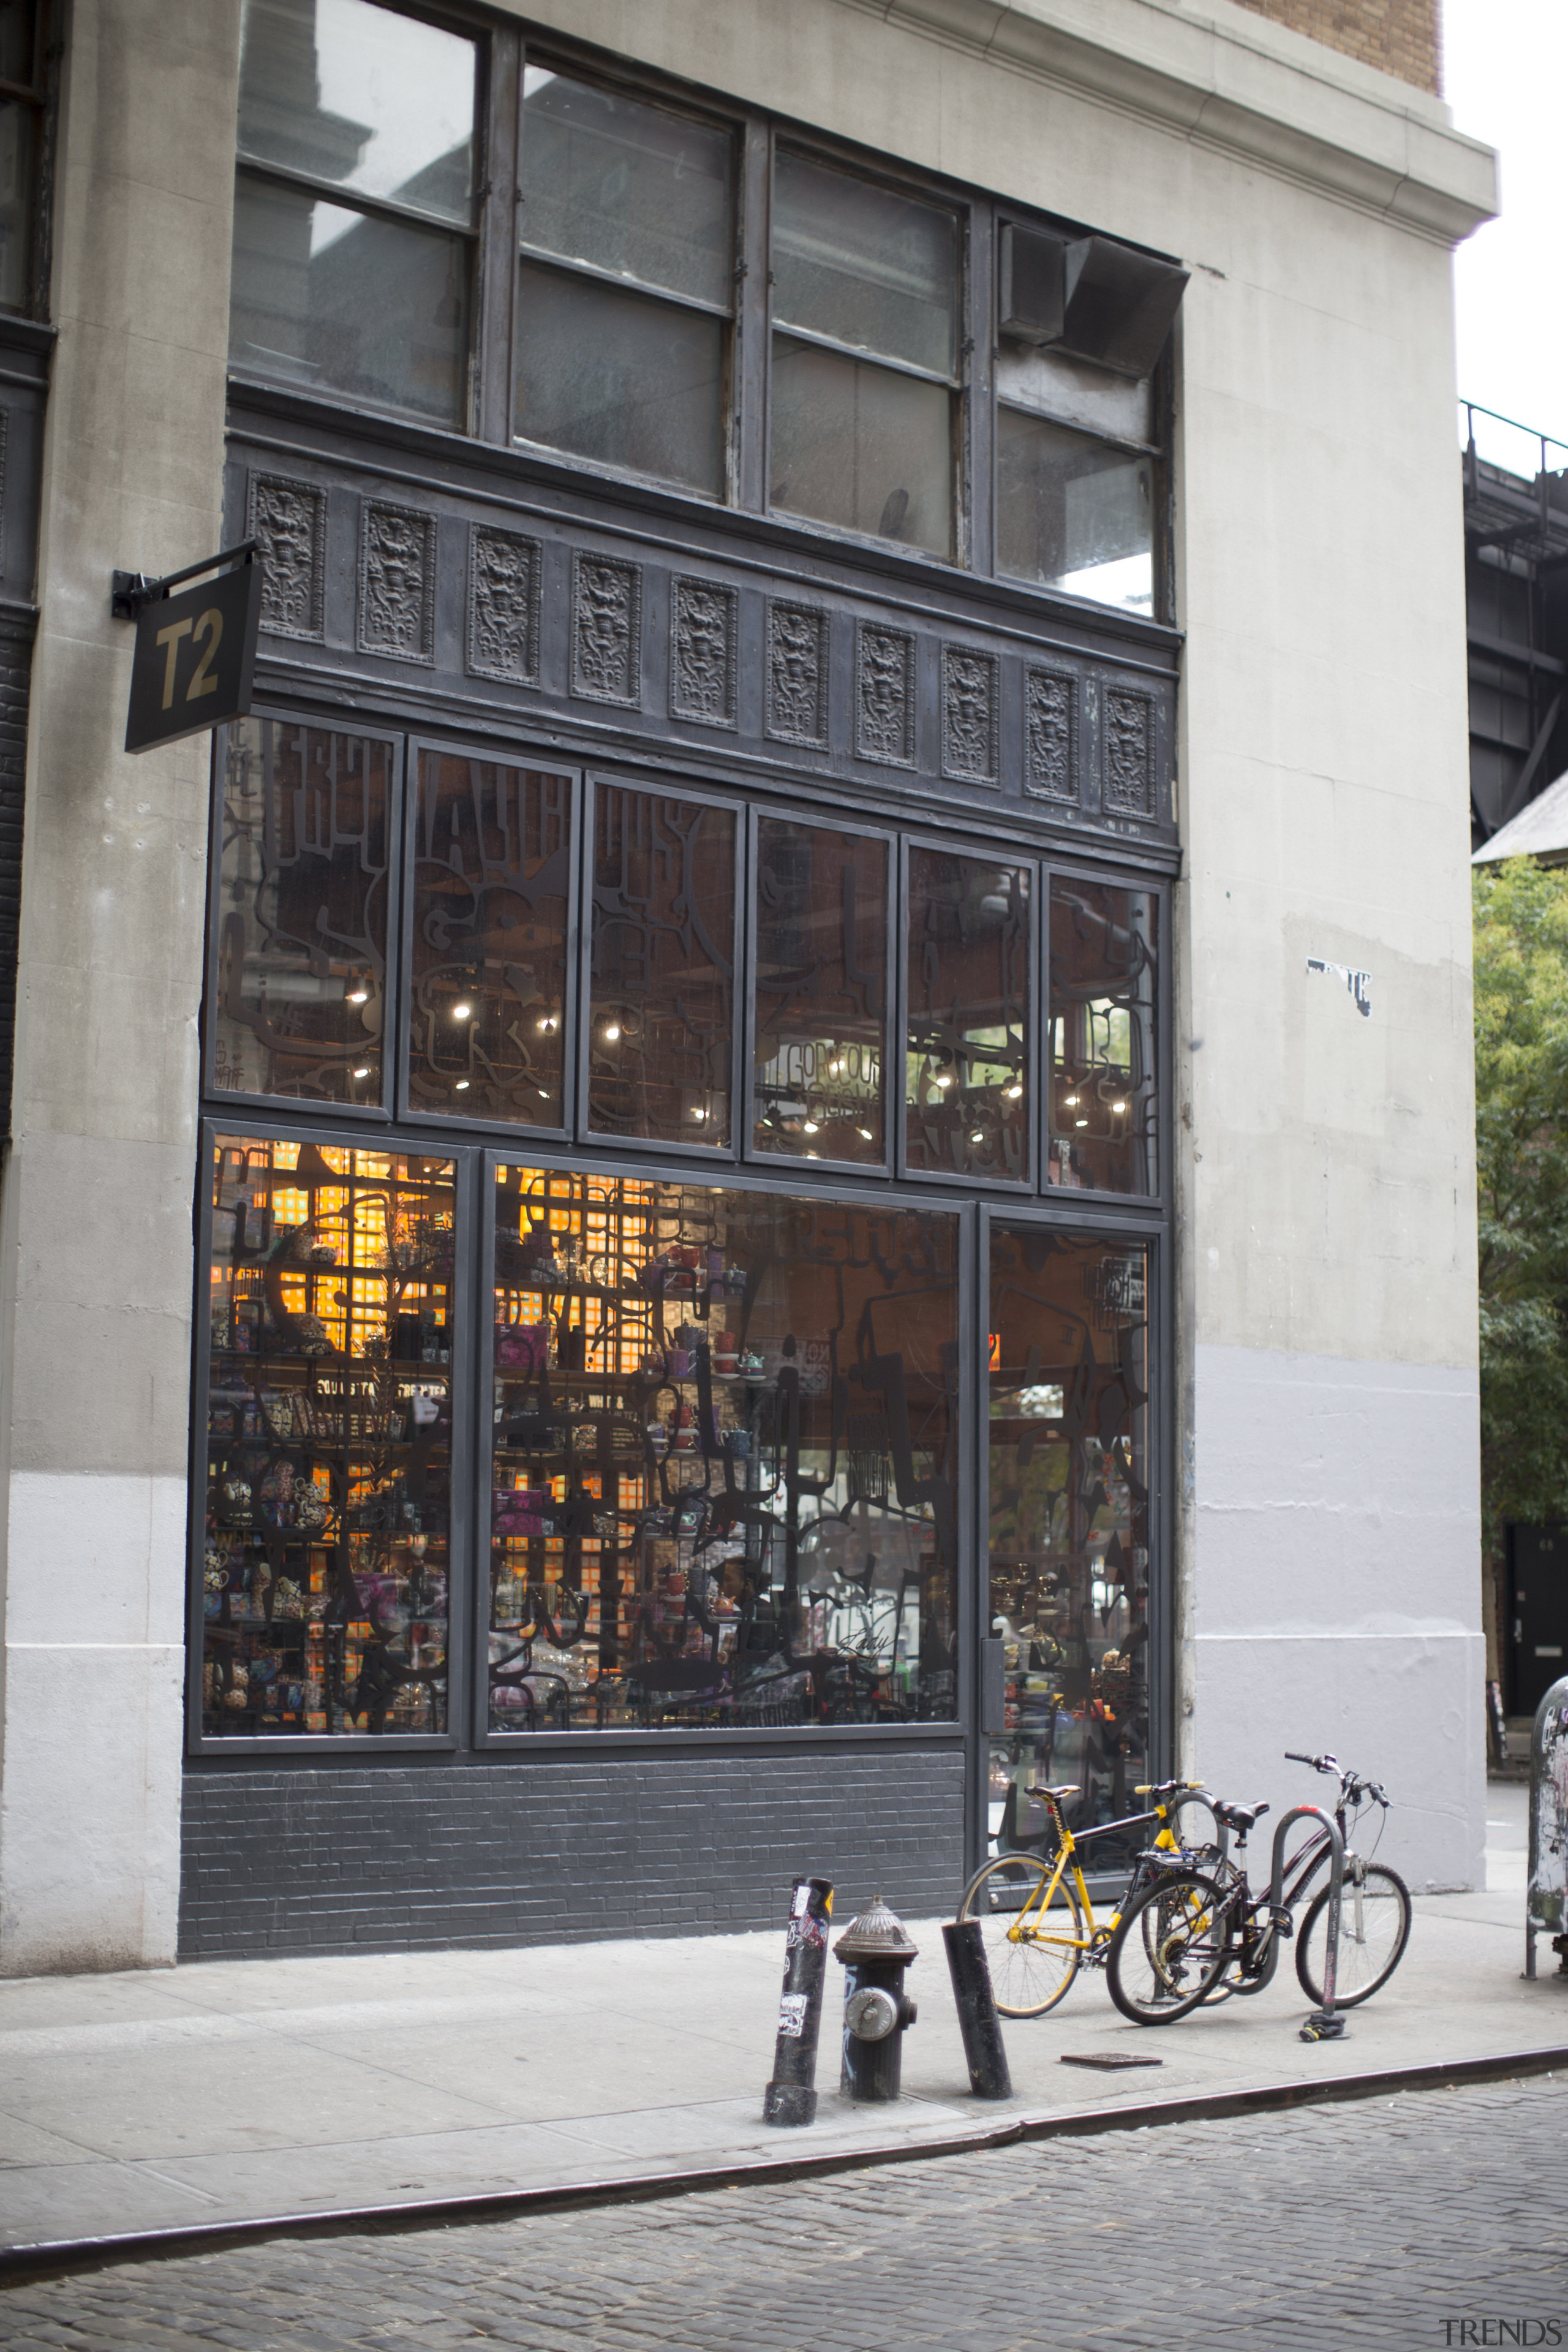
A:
(1195, 1933)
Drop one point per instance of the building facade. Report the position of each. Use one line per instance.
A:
(785, 1139)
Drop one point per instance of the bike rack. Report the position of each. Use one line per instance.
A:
(1324, 2024)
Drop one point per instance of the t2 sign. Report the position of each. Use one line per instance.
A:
(196, 656)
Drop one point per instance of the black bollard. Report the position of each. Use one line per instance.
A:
(977, 2022)
(791, 2096)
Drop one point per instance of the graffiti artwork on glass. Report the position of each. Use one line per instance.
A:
(722, 1489)
(663, 963)
(1068, 1526)
(820, 1020)
(1103, 961)
(299, 990)
(967, 1084)
(492, 876)
(329, 1434)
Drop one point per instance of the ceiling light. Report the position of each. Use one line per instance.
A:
(1118, 1106)
(866, 1133)
(1071, 1101)
(811, 1125)
(835, 1067)
(613, 1034)
(359, 996)
(1080, 1122)
(1013, 1093)
(813, 1155)
(362, 1073)
(461, 1085)
(700, 1112)
(978, 1136)
(548, 1025)
(944, 1080)
(461, 1012)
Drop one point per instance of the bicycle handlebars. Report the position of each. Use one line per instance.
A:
(1352, 1788)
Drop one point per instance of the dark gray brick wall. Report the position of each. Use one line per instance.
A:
(351, 1857)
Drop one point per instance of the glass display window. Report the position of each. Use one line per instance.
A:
(969, 946)
(298, 996)
(489, 928)
(326, 1533)
(723, 1477)
(1103, 1099)
(661, 1020)
(819, 993)
(1068, 1414)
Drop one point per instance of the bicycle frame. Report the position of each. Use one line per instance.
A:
(1095, 1944)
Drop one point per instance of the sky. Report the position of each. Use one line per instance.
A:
(1505, 75)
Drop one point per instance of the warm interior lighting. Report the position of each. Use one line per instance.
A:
(613, 1034)
(359, 996)
(362, 1073)
(1013, 1093)
(461, 1085)
(461, 1012)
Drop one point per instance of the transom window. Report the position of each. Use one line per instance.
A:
(406, 930)
(690, 299)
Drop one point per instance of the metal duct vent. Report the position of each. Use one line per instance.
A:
(1094, 298)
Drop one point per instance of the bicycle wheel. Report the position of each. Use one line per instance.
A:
(1032, 1947)
(1169, 1949)
(1374, 1933)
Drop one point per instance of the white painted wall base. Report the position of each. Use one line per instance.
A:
(1337, 1591)
(90, 1775)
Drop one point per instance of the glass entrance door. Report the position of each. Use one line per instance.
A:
(1068, 1528)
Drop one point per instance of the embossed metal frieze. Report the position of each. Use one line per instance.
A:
(969, 716)
(702, 628)
(1050, 732)
(502, 637)
(1128, 785)
(397, 582)
(796, 687)
(606, 629)
(885, 696)
(290, 521)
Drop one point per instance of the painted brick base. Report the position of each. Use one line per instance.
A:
(396, 1857)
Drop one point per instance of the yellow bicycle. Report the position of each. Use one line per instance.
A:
(1036, 1912)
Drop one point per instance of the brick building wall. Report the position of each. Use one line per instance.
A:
(1398, 36)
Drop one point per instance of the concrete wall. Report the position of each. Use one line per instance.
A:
(95, 1224)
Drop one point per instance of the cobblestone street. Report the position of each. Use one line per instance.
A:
(1388, 2222)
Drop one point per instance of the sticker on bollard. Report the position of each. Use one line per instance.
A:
(791, 2096)
(977, 2020)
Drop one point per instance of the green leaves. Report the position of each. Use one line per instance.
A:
(1520, 912)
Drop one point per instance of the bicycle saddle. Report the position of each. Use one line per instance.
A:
(1239, 1818)
(1067, 1789)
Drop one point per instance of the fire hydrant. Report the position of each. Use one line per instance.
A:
(875, 1950)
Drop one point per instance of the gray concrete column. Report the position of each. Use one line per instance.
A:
(95, 1222)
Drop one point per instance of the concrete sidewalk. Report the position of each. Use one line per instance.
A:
(247, 2089)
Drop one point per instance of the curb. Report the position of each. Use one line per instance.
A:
(1057, 2123)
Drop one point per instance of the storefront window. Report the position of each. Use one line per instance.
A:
(723, 1483)
(1103, 1078)
(661, 1023)
(820, 1003)
(302, 917)
(492, 882)
(1068, 1526)
(325, 1563)
(966, 1065)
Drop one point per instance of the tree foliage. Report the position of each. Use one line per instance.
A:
(1521, 1178)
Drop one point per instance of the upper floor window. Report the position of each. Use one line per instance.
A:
(353, 215)
(626, 284)
(24, 39)
(692, 298)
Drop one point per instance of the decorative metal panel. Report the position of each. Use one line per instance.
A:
(503, 606)
(1050, 735)
(606, 629)
(397, 583)
(969, 715)
(796, 692)
(1128, 754)
(885, 696)
(290, 521)
(702, 629)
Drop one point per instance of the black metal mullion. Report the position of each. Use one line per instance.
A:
(977, 478)
(354, 200)
(496, 292)
(752, 325)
